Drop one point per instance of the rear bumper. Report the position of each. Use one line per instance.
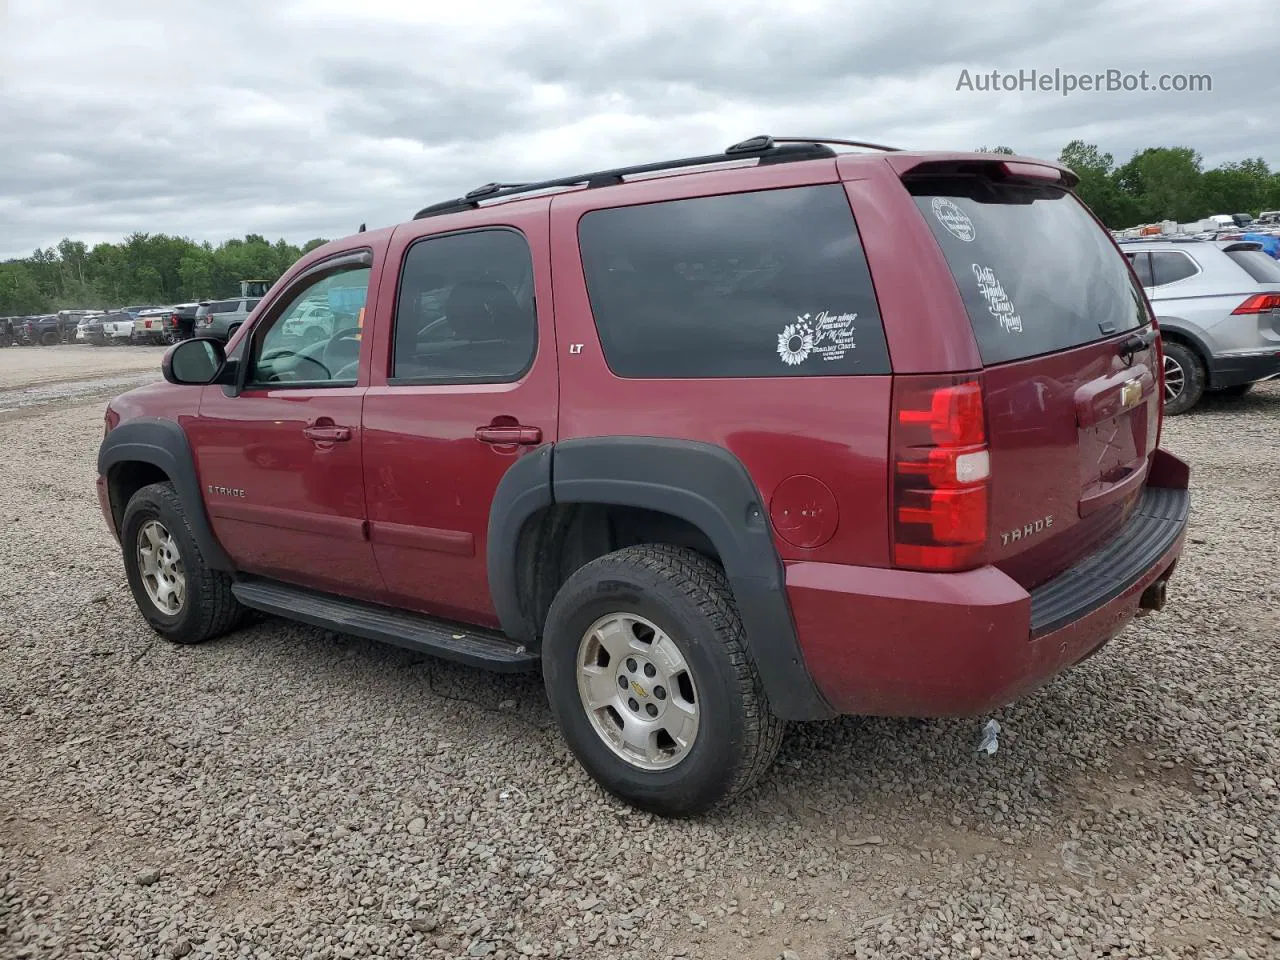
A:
(1234, 369)
(903, 643)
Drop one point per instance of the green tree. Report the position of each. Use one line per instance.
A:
(1097, 186)
(19, 292)
(1237, 187)
(1008, 151)
(1164, 183)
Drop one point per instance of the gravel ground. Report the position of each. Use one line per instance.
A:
(286, 792)
(28, 366)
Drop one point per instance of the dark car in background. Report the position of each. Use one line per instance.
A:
(43, 330)
(184, 319)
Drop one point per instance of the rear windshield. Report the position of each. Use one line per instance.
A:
(1257, 264)
(1037, 273)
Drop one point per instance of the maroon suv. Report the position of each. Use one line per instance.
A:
(717, 443)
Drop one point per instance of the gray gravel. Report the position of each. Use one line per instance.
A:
(286, 792)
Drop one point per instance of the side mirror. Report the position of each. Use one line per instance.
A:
(194, 362)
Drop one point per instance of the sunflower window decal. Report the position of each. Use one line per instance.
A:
(795, 342)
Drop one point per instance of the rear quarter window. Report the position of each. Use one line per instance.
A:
(760, 284)
(1170, 266)
(1257, 264)
(1036, 272)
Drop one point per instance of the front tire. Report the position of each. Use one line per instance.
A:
(177, 593)
(692, 726)
(1184, 378)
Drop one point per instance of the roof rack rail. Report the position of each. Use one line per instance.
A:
(838, 143)
(764, 149)
(1156, 238)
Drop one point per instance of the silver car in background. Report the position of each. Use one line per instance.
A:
(221, 318)
(1218, 305)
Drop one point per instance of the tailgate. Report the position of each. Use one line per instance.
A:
(1070, 362)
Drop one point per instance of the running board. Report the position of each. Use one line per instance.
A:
(473, 646)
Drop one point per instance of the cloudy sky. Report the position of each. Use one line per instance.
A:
(213, 118)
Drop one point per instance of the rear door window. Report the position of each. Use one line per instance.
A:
(761, 284)
(1170, 266)
(1257, 264)
(1037, 273)
(465, 312)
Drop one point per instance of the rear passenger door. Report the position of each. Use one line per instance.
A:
(464, 384)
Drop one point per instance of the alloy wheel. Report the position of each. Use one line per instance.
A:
(160, 567)
(638, 691)
(1175, 379)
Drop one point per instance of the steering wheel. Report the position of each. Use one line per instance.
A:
(437, 324)
(337, 352)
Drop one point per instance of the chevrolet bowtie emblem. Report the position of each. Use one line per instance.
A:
(1131, 394)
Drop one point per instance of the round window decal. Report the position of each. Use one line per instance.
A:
(955, 220)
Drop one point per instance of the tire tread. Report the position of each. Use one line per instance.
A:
(703, 584)
(208, 590)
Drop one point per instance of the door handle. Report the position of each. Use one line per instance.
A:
(326, 432)
(1138, 341)
(526, 436)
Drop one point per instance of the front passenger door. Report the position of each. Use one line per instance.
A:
(281, 460)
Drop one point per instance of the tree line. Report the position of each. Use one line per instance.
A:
(1159, 183)
(1165, 183)
(142, 269)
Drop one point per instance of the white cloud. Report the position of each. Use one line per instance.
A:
(305, 119)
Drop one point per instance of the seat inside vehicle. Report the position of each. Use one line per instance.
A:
(484, 332)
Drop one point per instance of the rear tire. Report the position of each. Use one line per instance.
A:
(49, 339)
(231, 331)
(160, 553)
(654, 617)
(1184, 378)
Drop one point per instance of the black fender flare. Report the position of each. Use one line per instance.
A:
(163, 444)
(523, 490)
(703, 484)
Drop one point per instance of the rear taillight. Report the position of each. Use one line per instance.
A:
(1259, 303)
(173, 320)
(941, 473)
